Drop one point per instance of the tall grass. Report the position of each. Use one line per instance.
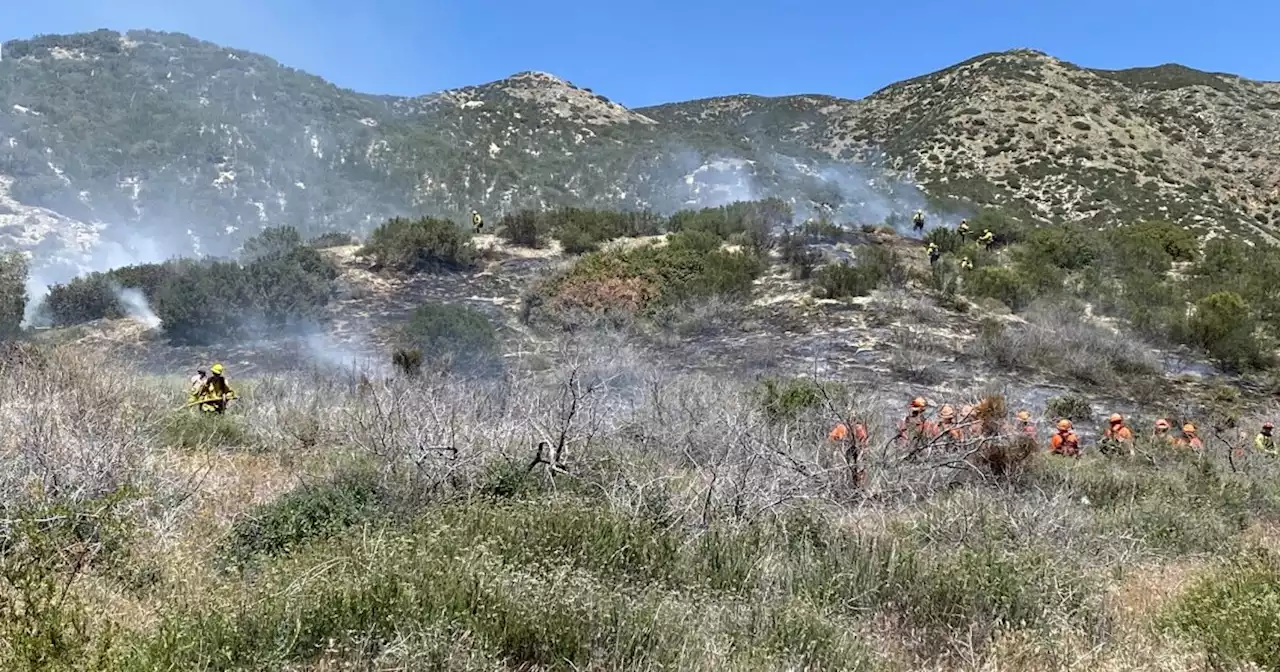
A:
(602, 513)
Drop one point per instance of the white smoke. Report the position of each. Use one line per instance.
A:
(849, 193)
(327, 351)
(136, 307)
(106, 255)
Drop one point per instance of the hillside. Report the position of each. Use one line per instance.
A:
(600, 439)
(186, 146)
(1031, 132)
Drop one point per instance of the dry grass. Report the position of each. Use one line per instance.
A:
(1068, 344)
(667, 522)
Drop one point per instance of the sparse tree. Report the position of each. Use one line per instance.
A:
(13, 293)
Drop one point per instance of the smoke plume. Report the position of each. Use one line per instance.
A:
(136, 307)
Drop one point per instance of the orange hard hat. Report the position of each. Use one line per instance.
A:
(947, 411)
(1064, 424)
(918, 402)
(1116, 418)
(1024, 415)
(1162, 424)
(1189, 428)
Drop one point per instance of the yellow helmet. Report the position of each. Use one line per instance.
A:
(217, 369)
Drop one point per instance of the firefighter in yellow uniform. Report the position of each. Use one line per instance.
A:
(477, 222)
(214, 392)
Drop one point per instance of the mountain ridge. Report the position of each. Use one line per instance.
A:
(179, 140)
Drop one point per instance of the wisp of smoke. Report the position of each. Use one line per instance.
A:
(136, 307)
(847, 192)
(107, 255)
(326, 351)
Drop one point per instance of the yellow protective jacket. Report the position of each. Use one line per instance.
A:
(215, 388)
(1265, 444)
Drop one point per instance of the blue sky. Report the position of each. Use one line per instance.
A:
(642, 53)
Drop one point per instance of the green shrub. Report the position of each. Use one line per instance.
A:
(45, 621)
(999, 283)
(822, 229)
(982, 589)
(407, 360)
(947, 240)
(1068, 247)
(201, 302)
(754, 221)
(577, 240)
(1070, 406)
(1177, 243)
(581, 230)
(689, 267)
(1232, 612)
(82, 299)
(271, 242)
(1252, 272)
(427, 244)
(331, 239)
(845, 280)
(876, 267)
(96, 296)
(13, 293)
(522, 228)
(457, 333)
(785, 399)
(1223, 324)
(1006, 229)
(885, 263)
(308, 512)
(797, 255)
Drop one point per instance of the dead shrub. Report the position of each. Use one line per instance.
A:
(68, 432)
(604, 294)
(1060, 341)
(1006, 457)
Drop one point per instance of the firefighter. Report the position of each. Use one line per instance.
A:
(214, 393)
(1065, 442)
(1264, 442)
(1117, 437)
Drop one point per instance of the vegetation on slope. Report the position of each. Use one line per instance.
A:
(429, 527)
(226, 137)
(278, 282)
(654, 543)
